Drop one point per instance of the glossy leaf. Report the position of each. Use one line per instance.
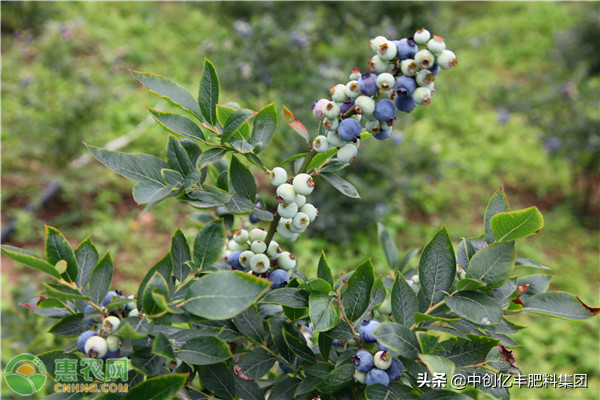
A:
(242, 180)
(476, 307)
(264, 127)
(438, 364)
(404, 301)
(164, 267)
(342, 185)
(31, 260)
(219, 379)
(239, 205)
(292, 158)
(162, 346)
(320, 159)
(204, 350)
(514, 225)
(339, 378)
(250, 324)
(470, 351)
(398, 338)
(208, 244)
(497, 204)
(559, 304)
(210, 156)
(100, 280)
(58, 248)
(178, 124)
(168, 90)
(69, 326)
(224, 294)
(355, 298)
(257, 363)
(87, 258)
(156, 284)
(180, 255)
(290, 297)
(177, 157)
(284, 388)
(493, 264)
(323, 310)
(299, 347)
(208, 97)
(437, 267)
(296, 125)
(234, 122)
(157, 388)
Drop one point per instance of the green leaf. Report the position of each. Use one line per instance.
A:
(210, 156)
(164, 266)
(290, 297)
(528, 263)
(338, 379)
(242, 180)
(172, 177)
(209, 243)
(156, 284)
(438, 364)
(248, 390)
(514, 225)
(398, 338)
(257, 363)
(57, 248)
(468, 284)
(463, 352)
(224, 294)
(234, 122)
(218, 378)
(292, 158)
(100, 279)
(180, 255)
(355, 298)
(139, 167)
(178, 124)
(132, 328)
(239, 205)
(31, 260)
(264, 127)
(437, 267)
(250, 324)
(266, 216)
(323, 270)
(204, 350)
(389, 247)
(284, 388)
(87, 258)
(323, 310)
(224, 113)
(148, 192)
(299, 347)
(70, 326)
(296, 125)
(497, 204)
(559, 304)
(316, 285)
(420, 317)
(321, 159)
(476, 307)
(493, 264)
(168, 90)
(404, 301)
(208, 97)
(162, 347)
(177, 157)
(318, 369)
(158, 388)
(242, 146)
(342, 185)
(393, 391)
(210, 197)
(308, 384)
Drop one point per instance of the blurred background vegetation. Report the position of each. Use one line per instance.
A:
(521, 110)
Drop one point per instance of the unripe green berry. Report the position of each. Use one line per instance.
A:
(447, 60)
(424, 59)
(378, 64)
(347, 153)
(96, 347)
(424, 77)
(334, 139)
(287, 210)
(415, 279)
(436, 45)
(304, 184)
(331, 110)
(286, 233)
(241, 236)
(257, 234)
(310, 210)
(300, 200)
(421, 36)
(385, 81)
(258, 246)
(338, 93)
(286, 261)
(260, 263)
(286, 193)
(352, 89)
(278, 176)
(387, 50)
(113, 343)
(110, 324)
(409, 67)
(320, 144)
(331, 124)
(422, 95)
(386, 94)
(233, 245)
(376, 42)
(300, 221)
(245, 258)
(382, 360)
(355, 74)
(133, 312)
(364, 105)
(373, 126)
(361, 377)
(274, 250)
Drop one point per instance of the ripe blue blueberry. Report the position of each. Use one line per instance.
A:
(108, 297)
(406, 48)
(367, 84)
(280, 278)
(382, 347)
(366, 331)
(384, 110)
(111, 354)
(383, 134)
(285, 368)
(377, 376)
(253, 218)
(363, 360)
(84, 338)
(395, 370)
(234, 260)
(346, 105)
(405, 103)
(349, 130)
(435, 69)
(405, 86)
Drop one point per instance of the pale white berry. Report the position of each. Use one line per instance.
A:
(257, 234)
(320, 144)
(376, 42)
(300, 200)
(387, 50)
(424, 58)
(278, 176)
(352, 89)
(286, 193)
(287, 210)
(110, 324)
(331, 110)
(436, 45)
(334, 139)
(260, 263)
(258, 246)
(233, 245)
(421, 36)
(96, 347)
(304, 184)
(286, 261)
(241, 236)
(338, 93)
(245, 258)
(310, 210)
(347, 153)
(274, 250)
(447, 60)
(409, 67)
(113, 343)
(422, 95)
(300, 221)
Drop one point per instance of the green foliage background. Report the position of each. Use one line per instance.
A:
(65, 80)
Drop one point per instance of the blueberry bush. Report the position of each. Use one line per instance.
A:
(229, 314)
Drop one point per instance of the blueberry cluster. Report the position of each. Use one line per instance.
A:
(247, 251)
(378, 368)
(296, 214)
(401, 76)
(100, 341)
